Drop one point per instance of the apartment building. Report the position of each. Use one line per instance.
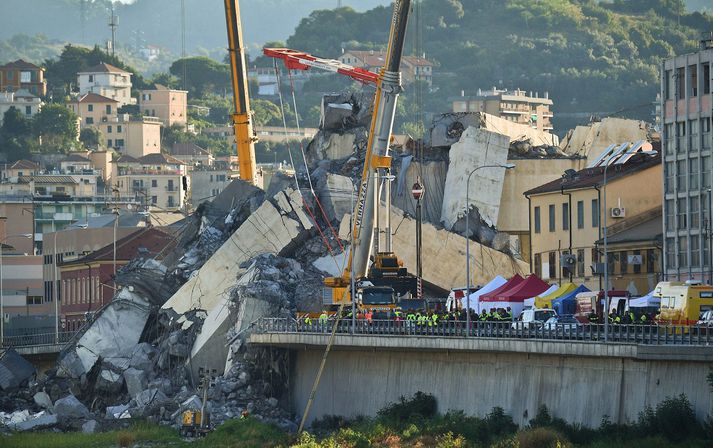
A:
(413, 68)
(26, 103)
(517, 106)
(687, 109)
(88, 282)
(168, 105)
(192, 154)
(567, 218)
(207, 183)
(22, 75)
(108, 81)
(159, 180)
(20, 168)
(136, 137)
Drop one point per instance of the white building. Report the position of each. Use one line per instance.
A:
(22, 100)
(107, 80)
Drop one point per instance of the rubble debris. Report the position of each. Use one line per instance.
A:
(25, 421)
(447, 129)
(591, 140)
(525, 148)
(343, 111)
(70, 407)
(43, 400)
(15, 370)
(432, 174)
(90, 427)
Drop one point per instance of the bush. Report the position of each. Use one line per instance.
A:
(541, 438)
(673, 418)
(420, 406)
(498, 423)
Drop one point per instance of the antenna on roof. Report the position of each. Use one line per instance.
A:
(113, 24)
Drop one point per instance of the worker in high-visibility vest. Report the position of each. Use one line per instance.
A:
(323, 320)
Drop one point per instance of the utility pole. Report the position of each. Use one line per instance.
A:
(183, 41)
(113, 24)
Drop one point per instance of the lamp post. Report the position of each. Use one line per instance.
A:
(418, 190)
(2, 296)
(604, 232)
(507, 166)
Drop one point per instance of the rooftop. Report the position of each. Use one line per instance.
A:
(159, 159)
(188, 149)
(594, 177)
(20, 64)
(104, 68)
(47, 179)
(151, 241)
(93, 98)
(24, 164)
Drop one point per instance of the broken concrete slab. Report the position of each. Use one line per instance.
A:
(150, 397)
(116, 411)
(142, 357)
(109, 381)
(136, 381)
(446, 129)
(332, 146)
(443, 267)
(39, 421)
(14, 370)
(476, 148)
(43, 400)
(433, 178)
(590, 141)
(335, 193)
(90, 427)
(114, 334)
(70, 407)
(269, 229)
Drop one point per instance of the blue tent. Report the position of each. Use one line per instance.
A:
(567, 304)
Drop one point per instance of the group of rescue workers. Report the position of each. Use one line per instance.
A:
(420, 318)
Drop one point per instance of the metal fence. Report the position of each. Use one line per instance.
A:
(594, 333)
(32, 340)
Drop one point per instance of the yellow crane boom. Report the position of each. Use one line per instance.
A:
(242, 118)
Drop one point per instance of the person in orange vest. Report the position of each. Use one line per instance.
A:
(369, 316)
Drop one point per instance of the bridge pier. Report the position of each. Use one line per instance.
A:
(579, 382)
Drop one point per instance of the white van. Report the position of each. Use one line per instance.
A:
(535, 317)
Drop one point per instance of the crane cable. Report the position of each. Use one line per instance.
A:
(292, 162)
(304, 160)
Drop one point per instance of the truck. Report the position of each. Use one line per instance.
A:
(683, 303)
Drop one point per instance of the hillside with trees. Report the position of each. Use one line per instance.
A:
(593, 57)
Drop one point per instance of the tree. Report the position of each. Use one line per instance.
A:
(57, 126)
(266, 113)
(90, 138)
(15, 125)
(203, 75)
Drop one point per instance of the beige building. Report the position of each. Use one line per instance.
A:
(168, 105)
(26, 103)
(94, 109)
(136, 137)
(206, 184)
(108, 81)
(516, 106)
(566, 217)
(22, 288)
(155, 179)
(20, 168)
(412, 67)
(192, 155)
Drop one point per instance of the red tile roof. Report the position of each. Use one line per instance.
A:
(94, 98)
(20, 65)
(104, 68)
(24, 165)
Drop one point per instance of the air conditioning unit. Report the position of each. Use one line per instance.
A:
(618, 212)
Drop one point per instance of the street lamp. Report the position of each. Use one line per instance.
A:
(418, 190)
(507, 166)
(2, 297)
(604, 232)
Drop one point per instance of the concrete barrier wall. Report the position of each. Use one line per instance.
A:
(578, 389)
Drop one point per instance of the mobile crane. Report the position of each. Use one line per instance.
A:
(377, 285)
(242, 118)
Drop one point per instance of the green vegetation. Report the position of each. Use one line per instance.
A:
(413, 422)
(592, 56)
(55, 126)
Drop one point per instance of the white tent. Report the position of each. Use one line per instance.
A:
(491, 286)
(530, 303)
(647, 300)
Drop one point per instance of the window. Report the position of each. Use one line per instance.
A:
(553, 264)
(90, 107)
(693, 174)
(28, 110)
(34, 300)
(108, 109)
(211, 178)
(565, 270)
(108, 143)
(669, 177)
(682, 252)
(537, 220)
(91, 78)
(565, 216)
(611, 259)
(154, 200)
(694, 212)
(580, 214)
(595, 213)
(682, 218)
(580, 262)
(670, 214)
(118, 128)
(706, 78)
(154, 183)
(680, 83)
(25, 77)
(10, 76)
(693, 80)
(695, 251)
(669, 137)
(693, 140)
(170, 185)
(108, 129)
(681, 175)
(552, 217)
(706, 171)
(538, 265)
(90, 120)
(624, 262)
(650, 261)
(120, 142)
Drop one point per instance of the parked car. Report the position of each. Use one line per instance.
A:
(533, 318)
(563, 325)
